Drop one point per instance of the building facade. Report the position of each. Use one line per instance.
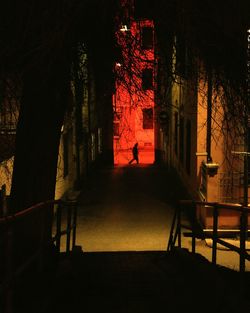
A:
(195, 137)
(134, 96)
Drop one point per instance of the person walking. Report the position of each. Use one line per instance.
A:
(135, 154)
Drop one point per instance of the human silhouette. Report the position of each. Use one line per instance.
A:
(135, 154)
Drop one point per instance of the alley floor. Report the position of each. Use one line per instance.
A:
(126, 208)
(130, 208)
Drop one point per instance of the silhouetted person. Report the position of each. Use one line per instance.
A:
(135, 154)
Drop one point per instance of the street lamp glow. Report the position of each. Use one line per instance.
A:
(124, 28)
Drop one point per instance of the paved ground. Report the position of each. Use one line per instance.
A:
(126, 208)
(124, 156)
(130, 208)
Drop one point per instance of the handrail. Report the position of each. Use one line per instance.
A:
(8, 224)
(175, 231)
(220, 205)
(13, 217)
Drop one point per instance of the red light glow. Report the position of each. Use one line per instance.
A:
(133, 101)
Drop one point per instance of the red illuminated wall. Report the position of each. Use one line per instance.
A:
(133, 101)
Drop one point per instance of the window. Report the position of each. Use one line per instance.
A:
(147, 79)
(147, 38)
(99, 140)
(93, 146)
(147, 119)
(116, 129)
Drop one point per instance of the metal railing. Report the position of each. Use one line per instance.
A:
(9, 225)
(177, 228)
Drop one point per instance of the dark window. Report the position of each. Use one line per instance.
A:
(65, 155)
(181, 139)
(188, 147)
(147, 38)
(147, 118)
(147, 79)
(116, 129)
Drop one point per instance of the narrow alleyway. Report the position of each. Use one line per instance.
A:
(130, 208)
(127, 208)
(123, 228)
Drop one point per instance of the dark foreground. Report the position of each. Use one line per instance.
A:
(131, 282)
(134, 282)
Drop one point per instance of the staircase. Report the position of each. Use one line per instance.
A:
(133, 282)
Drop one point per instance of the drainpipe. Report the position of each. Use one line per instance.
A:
(209, 114)
(246, 156)
(246, 113)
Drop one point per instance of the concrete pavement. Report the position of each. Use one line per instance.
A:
(130, 208)
(126, 208)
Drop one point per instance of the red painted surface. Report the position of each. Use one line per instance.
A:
(133, 103)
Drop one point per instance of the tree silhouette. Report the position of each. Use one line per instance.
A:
(37, 43)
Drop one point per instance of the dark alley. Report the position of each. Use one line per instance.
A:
(124, 156)
(127, 208)
(131, 208)
(120, 263)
